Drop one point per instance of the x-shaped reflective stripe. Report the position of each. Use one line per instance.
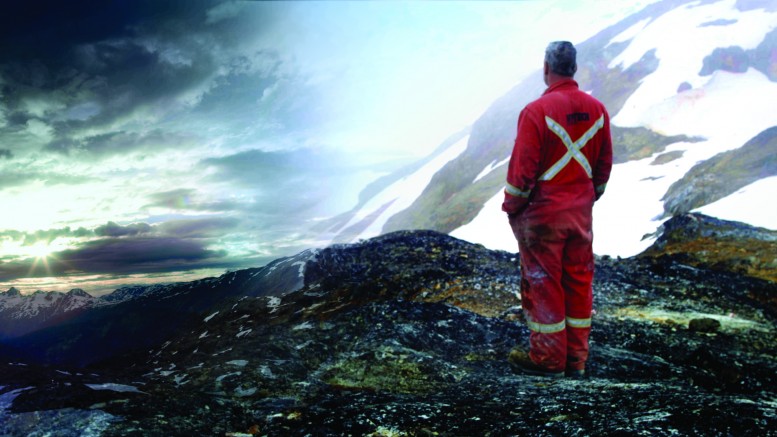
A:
(573, 147)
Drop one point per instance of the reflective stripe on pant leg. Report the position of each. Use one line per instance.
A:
(544, 328)
(578, 323)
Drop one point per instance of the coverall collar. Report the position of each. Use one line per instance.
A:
(563, 83)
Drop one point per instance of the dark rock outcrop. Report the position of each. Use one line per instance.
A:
(702, 241)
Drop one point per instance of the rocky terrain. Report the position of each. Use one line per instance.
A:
(408, 333)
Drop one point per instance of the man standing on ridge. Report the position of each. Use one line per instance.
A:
(559, 167)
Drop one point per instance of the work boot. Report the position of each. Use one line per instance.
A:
(521, 363)
(575, 369)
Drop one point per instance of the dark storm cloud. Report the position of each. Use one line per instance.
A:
(81, 67)
(112, 229)
(138, 254)
(120, 256)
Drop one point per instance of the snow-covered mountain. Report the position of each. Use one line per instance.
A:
(690, 87)
(21, 314)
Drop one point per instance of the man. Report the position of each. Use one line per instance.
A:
(560, 165)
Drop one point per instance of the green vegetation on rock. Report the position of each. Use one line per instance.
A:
(632, 143)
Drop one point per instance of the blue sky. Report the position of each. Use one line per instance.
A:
(158, 140)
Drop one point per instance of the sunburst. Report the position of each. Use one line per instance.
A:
(41, 252)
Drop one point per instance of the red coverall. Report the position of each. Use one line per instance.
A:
(560, 165)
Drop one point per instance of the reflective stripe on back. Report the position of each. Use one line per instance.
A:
(573, 148)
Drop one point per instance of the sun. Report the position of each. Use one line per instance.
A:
(39, 250)
(42, 252)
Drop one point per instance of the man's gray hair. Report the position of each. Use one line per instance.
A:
(561, 57)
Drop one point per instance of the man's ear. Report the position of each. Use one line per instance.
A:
(545, 68)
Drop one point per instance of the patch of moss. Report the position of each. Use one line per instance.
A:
(387, 369)
(668, 157)
(631, 143)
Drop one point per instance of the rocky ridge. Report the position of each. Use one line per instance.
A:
(407, 334)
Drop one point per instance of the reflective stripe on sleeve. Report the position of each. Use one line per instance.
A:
(515, 191)
(546, 328)
(578, 323)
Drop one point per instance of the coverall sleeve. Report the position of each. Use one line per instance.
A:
(603, 166)
(524, 163)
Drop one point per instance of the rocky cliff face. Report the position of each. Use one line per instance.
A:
(407, 334)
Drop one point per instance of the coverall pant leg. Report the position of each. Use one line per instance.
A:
(556, 276)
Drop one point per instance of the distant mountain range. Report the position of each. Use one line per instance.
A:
(690, 88)
(76, 329)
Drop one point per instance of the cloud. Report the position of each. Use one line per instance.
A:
(188, 199)
(13, 178)
(126, 255)
(47, 235)
(285, 182)
(122, 142)
(111, 229)
(199, 228)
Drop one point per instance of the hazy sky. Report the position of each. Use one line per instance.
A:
(147, 139)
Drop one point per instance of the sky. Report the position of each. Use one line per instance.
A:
(160, 141)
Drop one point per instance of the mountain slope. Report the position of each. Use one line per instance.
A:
(673, 103)
(724, 174)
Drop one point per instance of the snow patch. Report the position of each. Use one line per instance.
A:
(489, 168)
(404, 192)
(304, 325)
(630, 33)
(122, 388)
(301, 265)
(273, 302)
(207, 319)
(243, 333)
(747, 205)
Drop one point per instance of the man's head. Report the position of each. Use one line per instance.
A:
(560, 60)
